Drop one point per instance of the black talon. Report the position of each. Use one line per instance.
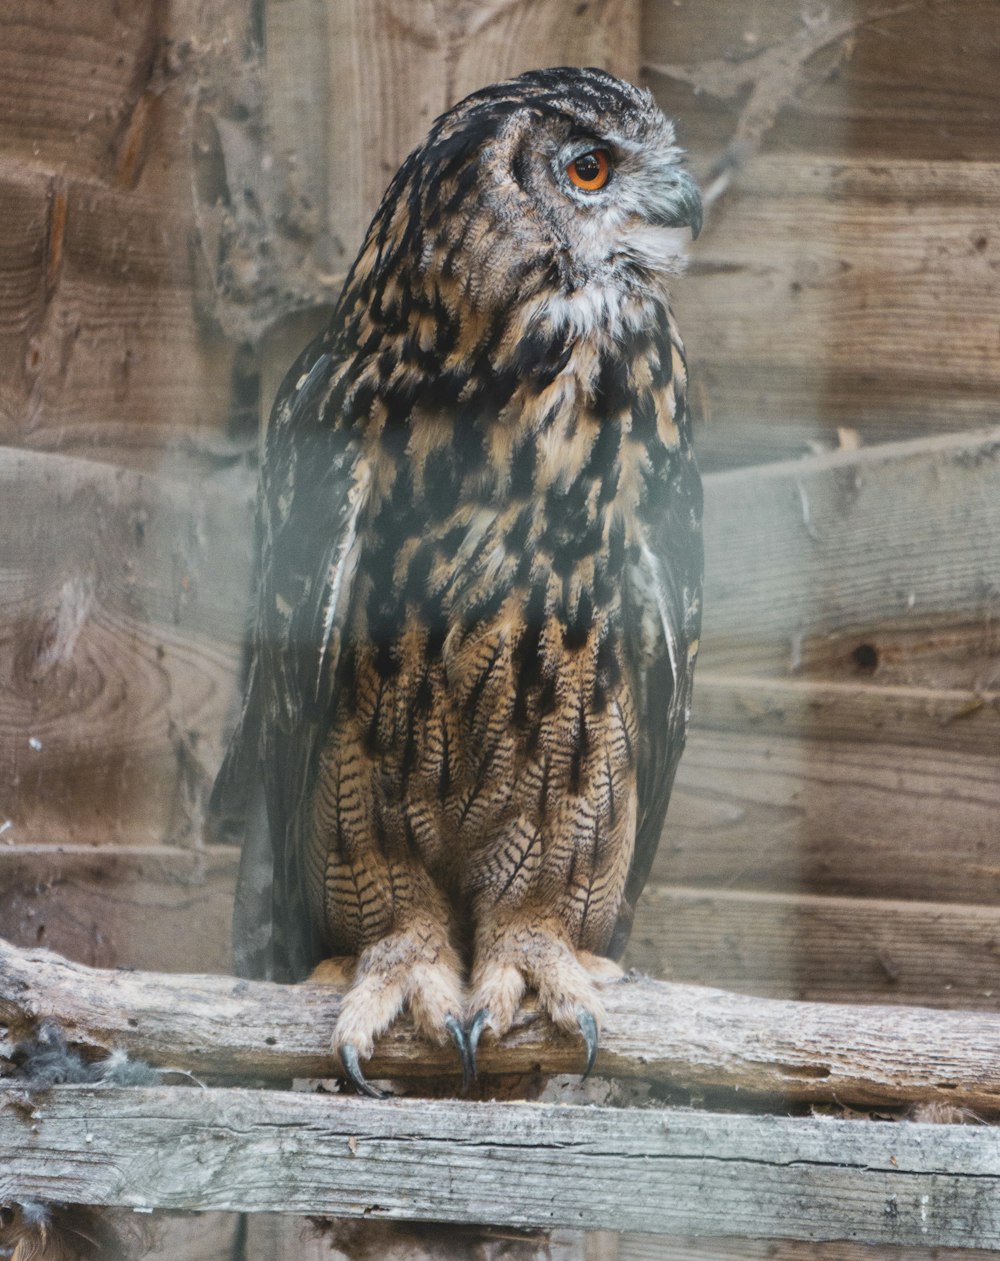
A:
(458, 1036)
(588, 1027)
(476, 1026)
(349, 1059)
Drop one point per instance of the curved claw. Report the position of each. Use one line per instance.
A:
(465, 1051)
(352, 1070)
(588, 1027)
(475, 1031)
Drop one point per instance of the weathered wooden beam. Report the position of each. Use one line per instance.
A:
(158, 907)
(870, 79)
(822, 949)
(514, 1164)
(122, 611)
(859, 710)
(691, 1036)
(808, 561)
(835, 817)
(727, 1248)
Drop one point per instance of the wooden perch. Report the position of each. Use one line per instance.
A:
(694, 1037)
(676, 1172)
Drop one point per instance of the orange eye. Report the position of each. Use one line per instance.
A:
(590, 171)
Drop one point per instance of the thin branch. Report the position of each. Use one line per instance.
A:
(697, 1038)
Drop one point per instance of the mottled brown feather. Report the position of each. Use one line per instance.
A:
(480, 575)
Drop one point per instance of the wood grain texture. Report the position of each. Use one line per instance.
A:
(952, 720)
(692, 1037)
(657, 1248)
(806, 560)
(169, 910)
(156, 907)
(103, 350)
(820, 949)
(508, 1163)
(106, 345)
(833, 817)
(872, 79)
(123, 613)
(844, 275)
(71, 79)
(840, 293)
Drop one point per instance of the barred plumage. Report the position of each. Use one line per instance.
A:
(480, 577)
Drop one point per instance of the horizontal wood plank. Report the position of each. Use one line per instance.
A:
(952, 720)
(851, 268)
(155, 907)
(833, 817)
(123, 615)
(808, 561)
(101, 339)
(821, 949)
(657, 1248)
(845, 79)
(70, 77)
(522, 1165)
(836, 294)
(691, 1036)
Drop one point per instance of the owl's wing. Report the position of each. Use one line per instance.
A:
(667, 585)
(313, 487)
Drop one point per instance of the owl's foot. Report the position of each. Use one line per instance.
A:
(415, 967)
(524, 957)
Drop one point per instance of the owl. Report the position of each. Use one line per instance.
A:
(479, 582)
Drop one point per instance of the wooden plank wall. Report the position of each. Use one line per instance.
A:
(177, 207)
(102, 352)
(834, 831)
(834, 826)
(847, 276)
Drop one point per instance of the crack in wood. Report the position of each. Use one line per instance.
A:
(528, 1164)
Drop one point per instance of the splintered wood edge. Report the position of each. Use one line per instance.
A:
(691, 1036)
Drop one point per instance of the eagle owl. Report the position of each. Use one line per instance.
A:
(480, 580)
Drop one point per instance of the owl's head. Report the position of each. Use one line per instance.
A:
(560, 182)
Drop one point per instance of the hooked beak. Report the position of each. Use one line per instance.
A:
(681, 205)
